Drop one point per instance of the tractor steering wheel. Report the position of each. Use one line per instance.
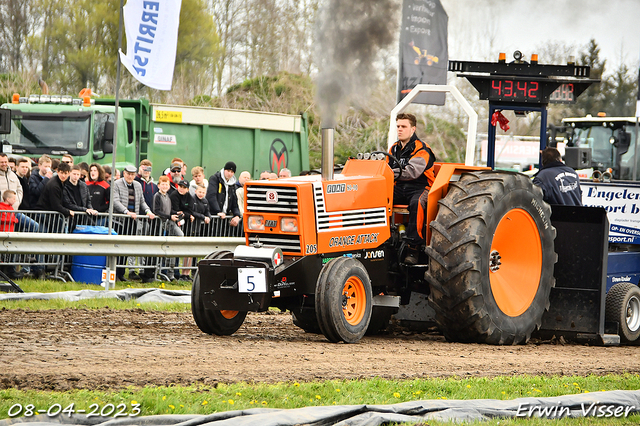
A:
(394, 159)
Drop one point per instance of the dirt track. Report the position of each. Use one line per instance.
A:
(106, 349)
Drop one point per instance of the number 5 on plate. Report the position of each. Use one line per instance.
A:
(252, 280)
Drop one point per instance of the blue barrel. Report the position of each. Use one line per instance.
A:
(88, 269)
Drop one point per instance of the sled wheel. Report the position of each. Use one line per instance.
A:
(623, 307)
(343, 300)
(222, 323)
(491, 259)
(380, 317)
(306, 319)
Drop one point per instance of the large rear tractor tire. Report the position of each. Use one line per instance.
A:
(222, 323)
(491, 259)
(343, 300)
(623, 307)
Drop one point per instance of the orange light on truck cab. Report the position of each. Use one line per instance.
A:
(15, 99)
(502, 57)
(602, 114)
(86, 101)
(256, 223)
(534, 58)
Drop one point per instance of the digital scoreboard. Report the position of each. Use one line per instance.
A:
(525, 83)
(514, 90)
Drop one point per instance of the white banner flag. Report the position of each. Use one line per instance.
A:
(152, 37)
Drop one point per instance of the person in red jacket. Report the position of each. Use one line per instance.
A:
(412, 187)
(7, 220)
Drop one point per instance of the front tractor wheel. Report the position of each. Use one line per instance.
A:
(491, 259)
(222, 323)
(343, 300)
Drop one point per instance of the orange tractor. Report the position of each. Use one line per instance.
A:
(329, 249)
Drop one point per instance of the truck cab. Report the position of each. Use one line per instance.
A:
(202, 136)
(58, 125)
(608, 141)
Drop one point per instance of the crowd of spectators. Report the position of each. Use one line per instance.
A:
(52, 185)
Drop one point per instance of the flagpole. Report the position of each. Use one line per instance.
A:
(635, 147)
(115, 132)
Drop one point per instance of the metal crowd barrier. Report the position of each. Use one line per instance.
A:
(37, 222)
(58, 266)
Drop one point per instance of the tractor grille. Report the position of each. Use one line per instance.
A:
(346, 218)
(288, 243)
(257, 199)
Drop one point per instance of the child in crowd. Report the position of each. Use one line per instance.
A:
(162, 207)
(7, 220)
(200, 210)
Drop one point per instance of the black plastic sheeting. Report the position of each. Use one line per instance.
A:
(142, 295)
(609, 404)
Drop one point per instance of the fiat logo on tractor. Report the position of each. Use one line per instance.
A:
(272, 196)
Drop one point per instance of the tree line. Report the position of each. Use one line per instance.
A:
(228, 47)
(71, 44)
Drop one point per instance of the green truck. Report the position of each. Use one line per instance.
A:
(200, 136)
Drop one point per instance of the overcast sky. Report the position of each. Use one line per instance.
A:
(480, 29)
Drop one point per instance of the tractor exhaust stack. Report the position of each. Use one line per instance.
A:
(327, 153)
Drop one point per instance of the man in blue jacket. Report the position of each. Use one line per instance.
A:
(560, 184)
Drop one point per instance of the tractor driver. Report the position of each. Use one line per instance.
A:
(416, 160)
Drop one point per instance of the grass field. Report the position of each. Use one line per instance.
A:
(49, 286)
(238, 396)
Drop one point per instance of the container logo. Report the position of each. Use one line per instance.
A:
(168, 116)
(278, 155)
(165, 139)
(272, 196)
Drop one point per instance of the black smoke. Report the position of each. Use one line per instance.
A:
(349, 34)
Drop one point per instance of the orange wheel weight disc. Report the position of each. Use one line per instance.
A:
(515, 262)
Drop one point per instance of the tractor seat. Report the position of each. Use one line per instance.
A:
(401, 208)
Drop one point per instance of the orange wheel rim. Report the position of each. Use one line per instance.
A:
(515, 262)
(229, 314)
(354, 300)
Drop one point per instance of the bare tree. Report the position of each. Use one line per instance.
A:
(226, 15)
(17, 21)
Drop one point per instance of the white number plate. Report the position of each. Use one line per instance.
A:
(252, 280)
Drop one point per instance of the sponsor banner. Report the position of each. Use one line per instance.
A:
(622, 203)
(423, 49)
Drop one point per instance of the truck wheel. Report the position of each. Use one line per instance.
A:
(306, 320)
(343, 300)
(623, 307)
(222, 323)
(380, 317)
(491, 259)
